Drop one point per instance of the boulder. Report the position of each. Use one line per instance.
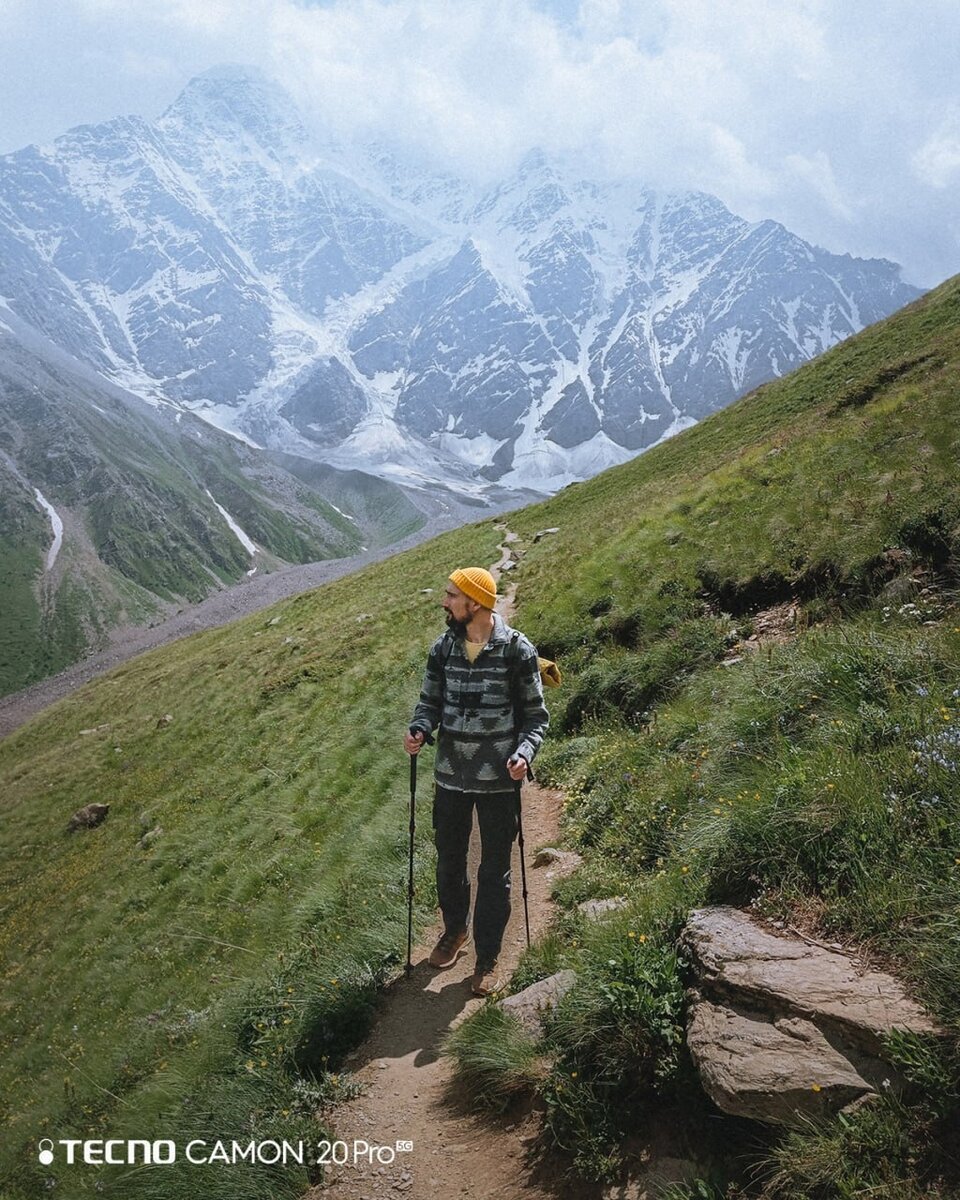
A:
(88, 817)
(783, 1030)
(531, 1005)
(768, 1070)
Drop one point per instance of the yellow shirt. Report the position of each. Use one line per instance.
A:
(472, 649)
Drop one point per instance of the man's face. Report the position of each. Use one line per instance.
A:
(458, 607)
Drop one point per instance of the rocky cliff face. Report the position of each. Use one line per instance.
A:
(309, 294)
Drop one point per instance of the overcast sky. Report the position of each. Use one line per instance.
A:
(840, 118)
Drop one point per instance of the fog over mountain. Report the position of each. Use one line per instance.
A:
(336, 301)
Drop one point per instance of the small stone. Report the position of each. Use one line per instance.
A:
(150, 836)
(564, 862)
(88, 817)
(594, 909)
(532, 1004)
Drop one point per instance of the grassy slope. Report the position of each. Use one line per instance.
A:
(136, 480)
(179, 987)
(203, 965)
(817, 781)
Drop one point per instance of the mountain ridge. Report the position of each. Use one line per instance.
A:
(216, 268)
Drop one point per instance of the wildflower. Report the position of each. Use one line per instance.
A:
(815, 1088)
(631, 934)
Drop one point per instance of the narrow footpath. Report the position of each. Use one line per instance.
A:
(408, 1090)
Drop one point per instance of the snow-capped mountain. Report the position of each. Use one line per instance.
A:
(344, 304)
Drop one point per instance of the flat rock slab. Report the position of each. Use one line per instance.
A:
(734, 955)
(783, 1031)
(775, 1072)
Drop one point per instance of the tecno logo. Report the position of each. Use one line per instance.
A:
(113, 1151)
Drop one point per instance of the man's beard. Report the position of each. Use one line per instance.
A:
(457, 628)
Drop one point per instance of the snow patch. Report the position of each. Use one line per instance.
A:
(57, 524)
(235, 528)
(478, 451)
(222, 417)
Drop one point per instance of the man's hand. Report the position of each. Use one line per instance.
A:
(517, 767)
(413, 742)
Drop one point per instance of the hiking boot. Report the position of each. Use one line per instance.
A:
(446, 952)
(485, 979)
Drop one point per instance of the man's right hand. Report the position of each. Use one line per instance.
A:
(413, 742)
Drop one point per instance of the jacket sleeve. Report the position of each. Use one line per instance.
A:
(532, 715)
(426, 716)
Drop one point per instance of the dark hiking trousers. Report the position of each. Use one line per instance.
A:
(452, 822)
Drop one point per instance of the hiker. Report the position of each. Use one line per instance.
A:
(482, 688)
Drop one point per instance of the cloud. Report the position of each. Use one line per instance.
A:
(827, 117)
(817, 171)
(937, 162)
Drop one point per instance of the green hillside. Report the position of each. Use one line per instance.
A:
(197, 965)
(139, 488)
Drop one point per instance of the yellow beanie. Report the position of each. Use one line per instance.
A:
(476, 583)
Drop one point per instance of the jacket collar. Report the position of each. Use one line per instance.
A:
(501, 632)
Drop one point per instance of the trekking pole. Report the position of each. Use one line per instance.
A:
(413, 819)
(523, 865)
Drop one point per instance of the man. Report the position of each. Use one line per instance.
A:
(482, 688)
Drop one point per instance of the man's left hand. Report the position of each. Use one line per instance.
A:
(517, 767)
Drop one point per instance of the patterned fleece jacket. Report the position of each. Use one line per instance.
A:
(486, 711)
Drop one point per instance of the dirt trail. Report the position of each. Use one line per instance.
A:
(408, 1090)
(409, 1094)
